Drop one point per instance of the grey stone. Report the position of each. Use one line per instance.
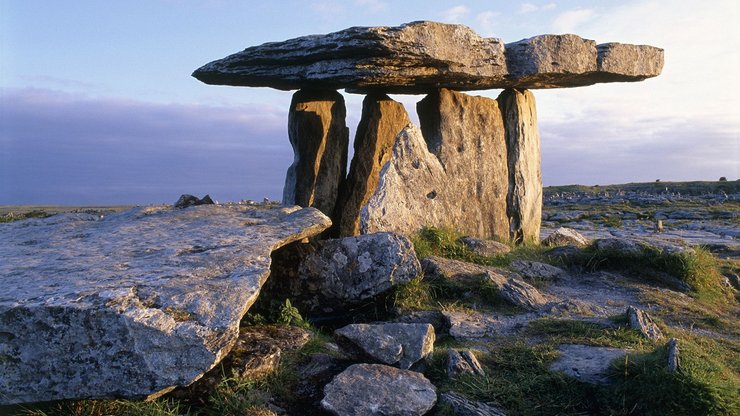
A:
(351, 270)
(524, 198)
(463, 362)
(469, 274)
(522, 294)
(537, 270)
(641, 321)
(419, 57)
(619, 245)
(376, 389)
(187, 200)
(398, 344)
(382, 119)
(463, 406)
(133, 304)
(586, 363)
(319, 136)
(485, 248)
(464, 326)
(674, 359)
(566, 236)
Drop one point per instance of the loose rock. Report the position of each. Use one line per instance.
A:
(537, 270)
(485, 248)
(566, 237)
(522, 294)
(391, 343)
(641, 321)
(463, 406)
(375, 389)
(463, 362)
(187, 200)
(674, 360)
(464, 326)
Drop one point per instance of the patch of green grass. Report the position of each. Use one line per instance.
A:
(159, 407)
(560, 331)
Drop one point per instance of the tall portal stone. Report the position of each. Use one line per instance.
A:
(320, 139)
(525, 177)
(382, 120)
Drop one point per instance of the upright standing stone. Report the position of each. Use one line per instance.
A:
(320, 138)
(466, 133)
(382, 120)
(525, 176)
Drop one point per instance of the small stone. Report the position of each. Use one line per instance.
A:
(522, 294)
(641, 321)
(464, 326)
(391, 343)
(485, 248)
(463, 406)
(566, 237)
(376, 389)
(537, 270)
(440, 268)
(463, 362)
(674, 360)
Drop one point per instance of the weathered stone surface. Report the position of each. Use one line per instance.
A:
(464, 326)
(586, 363)
(566, 237)
(433, 318)
(354, 269)
(620, 246)
(375, 389)
(463, 362)
(525, 177)
(440, 268)
(674, 359)
(463, 406)
(522, 294)
(537, 270)
(391, 343)
(187, 200)
(419, 57)
(319, 136)
(486, 248)
(133, 304)
(641, 321)
(382, 120)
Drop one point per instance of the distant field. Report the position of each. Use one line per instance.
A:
(685, 188)
(18, 212)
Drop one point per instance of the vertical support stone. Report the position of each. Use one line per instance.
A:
(466, 133)
(320, 140)
(382, 120)
(525, 177)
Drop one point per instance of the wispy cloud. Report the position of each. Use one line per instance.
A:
(455, 14)
(531, 7)
(487, 22)
(372, 6)
(569, 21)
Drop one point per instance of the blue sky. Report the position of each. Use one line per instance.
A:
(97, 105)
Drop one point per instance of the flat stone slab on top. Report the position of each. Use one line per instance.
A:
(135, 303)
(419, 57)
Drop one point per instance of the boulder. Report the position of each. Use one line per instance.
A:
(376, 389)
(419, 57)
(382, 120)
(463, 406)
(485, 248)
(391, 343)
(351, 270)
(524, 199)
(566, 237)
(586, 363)
(641, 321)
(133, 304)
(463, 362)
(319, 136)
(537, 270)
(522, 294)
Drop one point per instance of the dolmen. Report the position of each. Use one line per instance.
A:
(135, 303)
(473, 163)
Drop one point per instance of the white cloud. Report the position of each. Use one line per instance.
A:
(568, 22)
(549, 6)
(528, 8)
(455, 14)
(487, 22)
(372, 6)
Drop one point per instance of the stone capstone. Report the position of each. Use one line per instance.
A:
(382, 119)
(133, 304)
(319, 136)
(397, 344)
(419, 57)
(376, 389)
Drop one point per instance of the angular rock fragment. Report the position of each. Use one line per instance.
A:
(470, 274)
(463, 362)
(376, 389)
(522, 294)
(136, 303)
(674, 359)
(398, 344)
(485, 248)
(464, 326)
(524, 199)
(566, 237)
(537, 270)
(463, 406)
(319, 136)
(382, 120)
(641, 321)
(419, 57)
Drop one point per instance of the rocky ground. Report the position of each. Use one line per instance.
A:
(619, 319)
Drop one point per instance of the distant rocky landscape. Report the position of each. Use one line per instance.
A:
(430, 275)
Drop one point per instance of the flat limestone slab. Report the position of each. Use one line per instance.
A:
(135, 303)
(420, 57)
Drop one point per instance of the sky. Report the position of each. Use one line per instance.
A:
(97, 105)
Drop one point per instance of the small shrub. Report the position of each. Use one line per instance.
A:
(290, 315)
